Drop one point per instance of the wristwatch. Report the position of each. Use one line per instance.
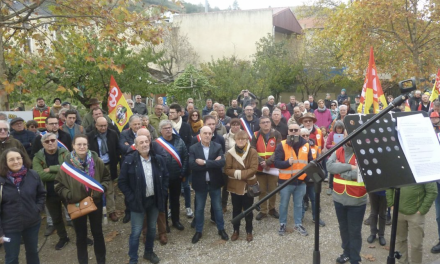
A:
(204, 162)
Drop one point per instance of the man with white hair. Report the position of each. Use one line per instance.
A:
(270, 103)
(307, 107)
(177, 164)
(415, 100)
(143, 180)
(425, 104)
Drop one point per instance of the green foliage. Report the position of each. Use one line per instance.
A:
(191, 83)
(85, 64)
(228, 76)
(275, 67)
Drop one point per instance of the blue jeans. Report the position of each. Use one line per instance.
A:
(350, 226)
(310, 192)
(137, 219)
(187, 192)
(30, 238)
(437, 209)
(297, 192)
(216, 203)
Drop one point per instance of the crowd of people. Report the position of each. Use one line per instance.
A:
(60, 158)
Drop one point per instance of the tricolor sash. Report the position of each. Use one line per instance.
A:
(170, 149)
(59, 143)
(246, 128)
(198, 138)
(82, 177)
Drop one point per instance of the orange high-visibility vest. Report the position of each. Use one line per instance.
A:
(40, 117)
(341, 185)
(300, 161)
(265, 150)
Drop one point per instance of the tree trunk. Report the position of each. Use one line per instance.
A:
(4, 102)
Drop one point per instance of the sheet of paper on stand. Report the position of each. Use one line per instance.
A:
(421, 147)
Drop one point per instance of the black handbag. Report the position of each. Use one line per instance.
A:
(253, 190)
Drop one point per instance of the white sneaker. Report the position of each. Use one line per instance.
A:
(189, 213)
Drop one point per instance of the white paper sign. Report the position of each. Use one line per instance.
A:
(420, 145)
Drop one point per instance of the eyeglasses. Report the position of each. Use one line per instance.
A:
(138, 98)
(305, 135)
(49, 141)
(333, 105)
(265, 122)
(4, 129)
(293, 129)
(53, 124)
(167, 128)
(308, 121)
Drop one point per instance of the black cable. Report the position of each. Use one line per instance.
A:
(44, 243)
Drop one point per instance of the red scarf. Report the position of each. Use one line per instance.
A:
(18, 176)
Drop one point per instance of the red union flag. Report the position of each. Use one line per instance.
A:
(372, 91)
(118, 109)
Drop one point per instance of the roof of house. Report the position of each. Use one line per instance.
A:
(285, 21)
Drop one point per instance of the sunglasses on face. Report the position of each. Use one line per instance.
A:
(49, 141)
(305, 135)
(293, 129)
(4, 130)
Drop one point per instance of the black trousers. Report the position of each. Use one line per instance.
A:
(80, 225)
(239, 204)
(55, 206)
(174, 187)
(378, 214)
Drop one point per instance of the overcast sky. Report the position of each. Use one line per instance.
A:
(252, 4)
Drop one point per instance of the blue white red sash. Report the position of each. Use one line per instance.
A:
(59, 143)
(82, 177)
(246, 128)
(170, 149)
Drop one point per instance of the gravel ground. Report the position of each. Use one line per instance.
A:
(267, 247)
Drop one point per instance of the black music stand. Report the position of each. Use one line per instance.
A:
(381, 161)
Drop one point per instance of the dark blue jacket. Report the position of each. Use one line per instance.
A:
(126, 136)
(21, 210)
(214, 167)
(26, 138)
(132, 184)
(281, 163)
(174, 170)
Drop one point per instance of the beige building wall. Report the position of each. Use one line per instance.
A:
(214, 35)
